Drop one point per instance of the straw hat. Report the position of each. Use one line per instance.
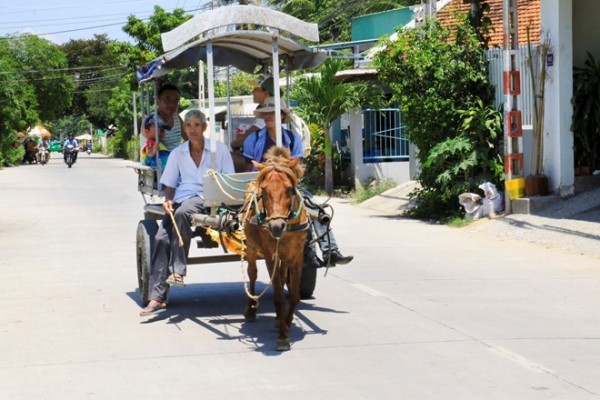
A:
(269, 106)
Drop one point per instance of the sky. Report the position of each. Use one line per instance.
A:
(62, 20)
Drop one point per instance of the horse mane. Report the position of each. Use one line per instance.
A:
(282, 156)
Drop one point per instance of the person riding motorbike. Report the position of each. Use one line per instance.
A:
(71, 141)
(43, 151)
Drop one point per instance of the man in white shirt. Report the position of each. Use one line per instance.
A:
(184, 196)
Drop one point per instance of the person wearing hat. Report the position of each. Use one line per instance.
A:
(148, 156)
(184, 197)
(260, 93)
(255, 147)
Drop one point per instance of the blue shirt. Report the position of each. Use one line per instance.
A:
(254, 145)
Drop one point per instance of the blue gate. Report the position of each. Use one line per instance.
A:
(383, 136)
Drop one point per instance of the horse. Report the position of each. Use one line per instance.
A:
(275, 225)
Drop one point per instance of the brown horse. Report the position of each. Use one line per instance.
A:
(275, 225)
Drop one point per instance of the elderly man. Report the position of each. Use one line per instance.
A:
(182, 180)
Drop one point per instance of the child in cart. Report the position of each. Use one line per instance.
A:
(151, 147)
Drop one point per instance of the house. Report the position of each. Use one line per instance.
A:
(570, 25)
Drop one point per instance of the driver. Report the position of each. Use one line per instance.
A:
(72, 142)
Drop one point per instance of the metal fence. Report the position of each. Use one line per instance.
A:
(383, 133)
(383, 136)
(496, 69)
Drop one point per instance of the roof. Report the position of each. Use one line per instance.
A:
(243, 49)
(528, 12)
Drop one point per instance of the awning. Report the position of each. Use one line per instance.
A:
(245, 50)
(85, 136)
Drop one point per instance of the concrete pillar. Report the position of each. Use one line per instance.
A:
(557, 22)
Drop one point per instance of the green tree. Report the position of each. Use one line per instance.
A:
(18, 108)
(434, 75)
(334, 16)
(43, 65)
(322, 100)
(95, 69)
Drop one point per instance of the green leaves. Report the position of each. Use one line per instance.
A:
(322, 100)
(439, 78)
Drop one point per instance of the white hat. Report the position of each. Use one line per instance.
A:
(269, 106)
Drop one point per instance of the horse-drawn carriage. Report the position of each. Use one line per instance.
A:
(216, 38)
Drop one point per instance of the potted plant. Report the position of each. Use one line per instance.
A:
(536, 183)
(586, 116)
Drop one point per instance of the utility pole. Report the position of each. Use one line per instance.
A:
(513, 126)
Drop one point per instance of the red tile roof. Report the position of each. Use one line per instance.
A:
(528, 14)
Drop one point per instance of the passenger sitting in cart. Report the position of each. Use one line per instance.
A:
(151, 147)
(255, 147)
(261, 92)
(183, 188)
(167, 105)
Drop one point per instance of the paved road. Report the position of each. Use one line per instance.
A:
(424, 312)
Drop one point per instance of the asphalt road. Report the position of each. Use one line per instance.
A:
(424, 312)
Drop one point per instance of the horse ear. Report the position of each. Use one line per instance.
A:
(293, 163)
(257, 165)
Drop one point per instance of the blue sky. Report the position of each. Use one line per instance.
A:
(62, 20)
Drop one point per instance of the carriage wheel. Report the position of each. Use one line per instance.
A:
(144, 244)
(308, 282)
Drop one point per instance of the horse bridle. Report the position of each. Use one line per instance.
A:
(261, 217)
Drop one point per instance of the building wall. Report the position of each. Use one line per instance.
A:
(529, 15)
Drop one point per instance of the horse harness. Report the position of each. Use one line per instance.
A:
(261, 216)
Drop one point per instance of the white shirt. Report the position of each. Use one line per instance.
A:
(182, 174)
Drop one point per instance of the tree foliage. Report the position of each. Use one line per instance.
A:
(34, 86)
(43, 66)
(322, 100)
(334, 16)
(95, 69)
(441, 83)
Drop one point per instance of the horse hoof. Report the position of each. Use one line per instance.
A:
(283, 345)
(250, 315)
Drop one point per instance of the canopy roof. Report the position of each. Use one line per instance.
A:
(244, 50)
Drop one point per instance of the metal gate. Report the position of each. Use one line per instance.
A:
(383, 136)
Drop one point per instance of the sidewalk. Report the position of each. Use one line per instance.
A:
(570, 224)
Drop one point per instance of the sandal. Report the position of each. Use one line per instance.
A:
(153, 308)
(175, 280)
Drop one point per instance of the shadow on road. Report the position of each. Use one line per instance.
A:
(219, 308)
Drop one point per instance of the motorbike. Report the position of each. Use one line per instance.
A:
(88, 150)
(43, 155)
(70, 154)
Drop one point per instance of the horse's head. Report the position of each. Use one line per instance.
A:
(278, 185)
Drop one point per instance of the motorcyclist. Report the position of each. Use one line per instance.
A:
(71, 141)
(45, 144)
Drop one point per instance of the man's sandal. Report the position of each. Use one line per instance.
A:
(153, 309)
(175, 280)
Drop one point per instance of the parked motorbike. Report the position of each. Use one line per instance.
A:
(70, 154)
(43, 155)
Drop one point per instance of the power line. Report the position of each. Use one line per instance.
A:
(70, 6)
(99, 67)
(205, 7)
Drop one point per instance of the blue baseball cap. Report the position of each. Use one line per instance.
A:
(150, 122)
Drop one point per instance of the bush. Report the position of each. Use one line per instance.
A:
(440, 79)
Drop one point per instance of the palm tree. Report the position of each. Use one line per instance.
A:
(322, 100)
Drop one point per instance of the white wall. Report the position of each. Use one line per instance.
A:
(556, 16)
(364, 173)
